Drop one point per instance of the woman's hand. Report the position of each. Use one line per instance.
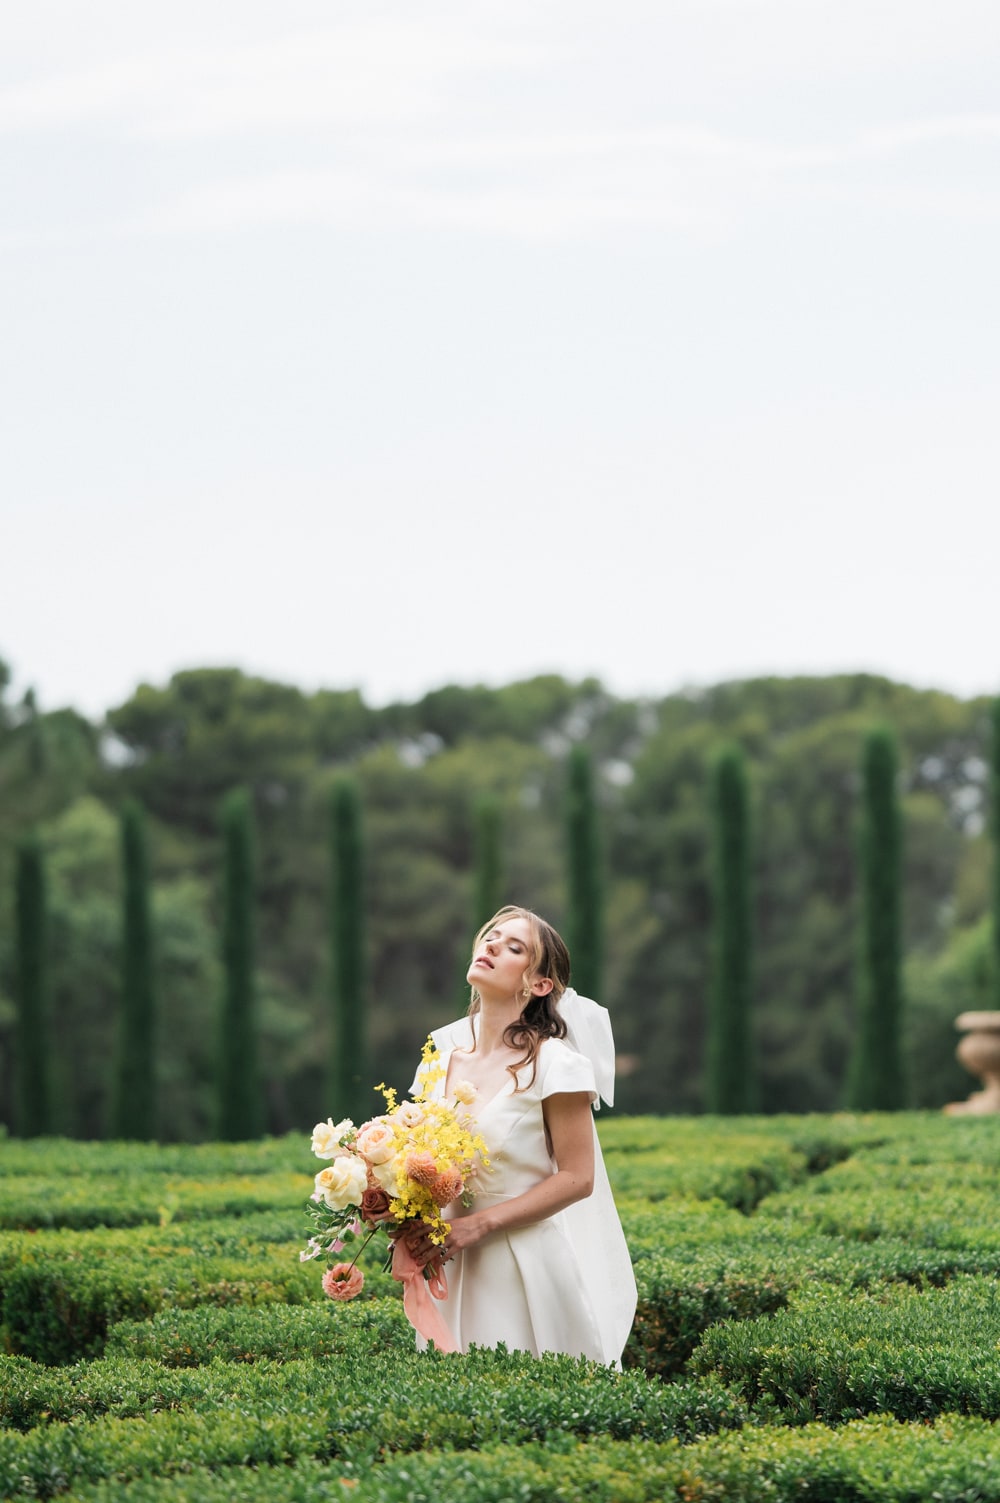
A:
(467, 1231)
(423, 1250)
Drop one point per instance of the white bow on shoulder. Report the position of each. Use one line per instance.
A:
(588, 1031)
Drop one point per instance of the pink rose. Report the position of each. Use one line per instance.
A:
(343, 1281)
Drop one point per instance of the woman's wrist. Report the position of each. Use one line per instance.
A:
(486, 1224)
(475, 1228)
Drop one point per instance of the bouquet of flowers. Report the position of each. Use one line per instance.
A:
(394, 1174)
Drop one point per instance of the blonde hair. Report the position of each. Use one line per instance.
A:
(548, 959)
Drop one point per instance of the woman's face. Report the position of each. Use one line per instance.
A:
(501, 959)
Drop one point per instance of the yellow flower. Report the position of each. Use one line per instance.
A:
(465, 1092)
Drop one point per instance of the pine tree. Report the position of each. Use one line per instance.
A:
(729, 1074)
(995, 831)
(488, 878)
(350, 1090)
(240, 1106)
(32, 1036)
(134, 1094)
(585, 927)
(875, 1081)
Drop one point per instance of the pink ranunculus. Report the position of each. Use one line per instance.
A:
(343, 1281)
(421, 1168)
(446, 1187)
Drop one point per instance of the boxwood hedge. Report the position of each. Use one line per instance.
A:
(793, 1273)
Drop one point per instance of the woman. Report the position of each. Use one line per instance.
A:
(539, 1260)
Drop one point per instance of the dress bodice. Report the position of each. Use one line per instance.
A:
(512, 1122)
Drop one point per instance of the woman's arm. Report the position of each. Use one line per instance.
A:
(571, 1134)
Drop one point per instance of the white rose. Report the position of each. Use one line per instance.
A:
(343, 1183)
(327, 1135)
(386, 1174)
(408, 1114)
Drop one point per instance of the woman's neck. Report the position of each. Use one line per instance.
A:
(495, 1015)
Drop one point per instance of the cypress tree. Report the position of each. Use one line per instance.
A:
(585, 928)
(487, 883)
(350, 1090)
(488, 878)
(729, 1075)
(32, 1037)
(134, 1094)
(240, 1106)
(875, 1081)
(995, 832)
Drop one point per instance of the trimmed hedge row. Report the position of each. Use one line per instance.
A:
(191, 1338)
(953, 1460)
(61, 1291)
(941, 1216)
(30, 1201)
(145, 1420)
(835, 1357)
(684, 1295)
(58, 1157)
(738, 1161)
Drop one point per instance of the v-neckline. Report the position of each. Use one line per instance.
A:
(508, 1085)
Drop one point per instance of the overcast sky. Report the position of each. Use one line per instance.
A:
(395, 344)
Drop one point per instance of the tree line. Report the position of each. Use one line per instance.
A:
(701, 853)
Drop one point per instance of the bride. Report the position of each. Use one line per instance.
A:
(539, 1260)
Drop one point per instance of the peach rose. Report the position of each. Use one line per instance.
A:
(343, 1281)
(375, 1141)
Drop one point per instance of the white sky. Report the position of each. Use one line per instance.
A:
(387, 344)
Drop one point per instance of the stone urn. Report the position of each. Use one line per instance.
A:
(979, 1052)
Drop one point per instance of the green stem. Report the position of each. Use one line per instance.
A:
(361, 1249)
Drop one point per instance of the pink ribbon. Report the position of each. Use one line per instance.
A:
(421, 1311)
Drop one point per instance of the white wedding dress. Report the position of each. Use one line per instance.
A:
(564, 1284)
